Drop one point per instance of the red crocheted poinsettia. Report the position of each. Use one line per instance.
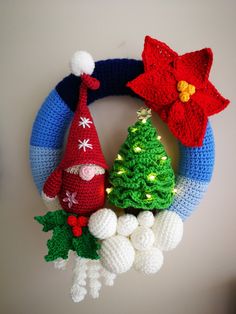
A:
(178, 89)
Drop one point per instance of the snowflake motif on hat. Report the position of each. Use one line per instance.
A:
(70, 199)
(85, 122)
(85, 144)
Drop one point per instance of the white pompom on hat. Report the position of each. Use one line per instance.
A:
(168, 230)
(82, 63)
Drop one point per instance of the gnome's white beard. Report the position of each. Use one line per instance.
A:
(76, 169)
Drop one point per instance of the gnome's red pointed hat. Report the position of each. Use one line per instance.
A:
(83, 145)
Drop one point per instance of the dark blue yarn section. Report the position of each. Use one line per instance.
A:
(113, 75)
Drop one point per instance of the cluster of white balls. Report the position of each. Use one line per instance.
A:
(130, 241)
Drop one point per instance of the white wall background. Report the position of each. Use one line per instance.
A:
(37, 39)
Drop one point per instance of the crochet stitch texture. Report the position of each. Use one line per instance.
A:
(177, 87)
(196, 164)
(142, 176)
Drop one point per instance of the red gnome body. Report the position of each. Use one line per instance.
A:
(79, 179)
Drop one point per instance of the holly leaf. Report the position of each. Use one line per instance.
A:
(60, 243)
(52, 219)
(86, 245)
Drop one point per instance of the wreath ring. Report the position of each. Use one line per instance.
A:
(149, 235)
(49, 128)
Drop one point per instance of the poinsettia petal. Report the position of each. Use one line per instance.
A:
(187, 121)
(156, 53)
(162, 111)
(194, 67)
(210, 100)
(156, 87)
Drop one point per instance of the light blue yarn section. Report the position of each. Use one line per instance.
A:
(51, 122)
(197, 163)
(43, 161)
(188, 196)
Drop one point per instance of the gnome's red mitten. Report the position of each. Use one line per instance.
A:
(52, 185)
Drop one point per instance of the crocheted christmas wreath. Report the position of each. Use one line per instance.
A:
(141, 180)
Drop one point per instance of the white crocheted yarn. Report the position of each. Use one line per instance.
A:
(102, 224)
(126, 224)
(117, 254)
(60, 263)
(168, 230)
(82, 63)
(52, 203)
(146, 219)
(148, 262)
(142, 238)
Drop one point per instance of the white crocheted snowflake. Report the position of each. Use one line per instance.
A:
(85, 122)
(85, 144)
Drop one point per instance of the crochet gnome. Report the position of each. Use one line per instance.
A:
(79, 180)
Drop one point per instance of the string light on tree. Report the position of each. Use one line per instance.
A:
(121, 171)
(137, 149)
(151, 177)
(158, 137)
(119, 157)
(109, 190)
(149, 196)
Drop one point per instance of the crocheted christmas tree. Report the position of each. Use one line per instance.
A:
(142, 176)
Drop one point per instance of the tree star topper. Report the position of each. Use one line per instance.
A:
(143, 114)
(178, 89)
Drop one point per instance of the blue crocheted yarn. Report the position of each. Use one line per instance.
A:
(43, 161)
(51, 122)
(113, 75)
(188, 196)
(196, 164)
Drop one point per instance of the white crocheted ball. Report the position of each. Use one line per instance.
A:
(117, 254)
(142, 238)
(102, 224)
(148, 262)
(146, 219)
(168, 230)
(126, 224)
(82, 63)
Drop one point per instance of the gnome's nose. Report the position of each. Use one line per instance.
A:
(90, 82)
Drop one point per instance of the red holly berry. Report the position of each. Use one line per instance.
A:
(83, 221)
(72, 221)
(77, 231)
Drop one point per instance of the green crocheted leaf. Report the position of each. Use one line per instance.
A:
(86, 245)
(52, 219)
(142, 176)
(60, 243)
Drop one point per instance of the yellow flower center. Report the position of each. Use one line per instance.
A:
(185, 90)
